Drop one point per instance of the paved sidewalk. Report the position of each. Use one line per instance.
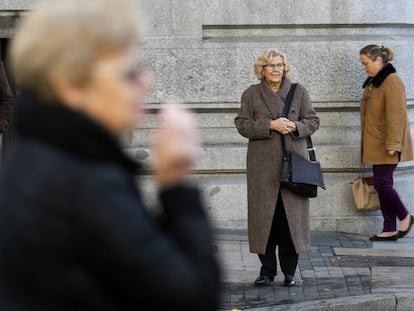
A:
(337, 266)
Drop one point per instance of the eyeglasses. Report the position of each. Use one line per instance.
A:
(279, 66)
(133, 73)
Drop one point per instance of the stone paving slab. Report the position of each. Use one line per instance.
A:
(398, 276)
(377, 252)
(392, 279)
(367, 262)
(405, 244)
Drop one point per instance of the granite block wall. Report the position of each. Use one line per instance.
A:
(202, 53)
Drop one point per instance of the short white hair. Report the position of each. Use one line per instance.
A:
(68, 37)
(265, 58)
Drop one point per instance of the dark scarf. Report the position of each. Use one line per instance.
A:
(381, 76)
(68, 130)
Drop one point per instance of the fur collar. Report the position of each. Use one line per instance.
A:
(381, 76)
(68, 130)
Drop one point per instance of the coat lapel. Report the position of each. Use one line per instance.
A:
(284, 90)
(275, 102)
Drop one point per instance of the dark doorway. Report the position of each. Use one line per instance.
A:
(7, 136)
(4, 57)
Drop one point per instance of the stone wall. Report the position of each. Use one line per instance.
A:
(202, 53)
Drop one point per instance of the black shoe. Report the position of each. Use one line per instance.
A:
(402, 234)
(264, 280)
(384, 238)
(289, 280)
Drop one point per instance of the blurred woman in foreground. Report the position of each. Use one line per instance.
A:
(74, 232)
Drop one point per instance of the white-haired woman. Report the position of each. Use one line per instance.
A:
(275, 215)
(74, 231)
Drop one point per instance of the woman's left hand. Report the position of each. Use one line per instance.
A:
(291, 127)
(391, 152)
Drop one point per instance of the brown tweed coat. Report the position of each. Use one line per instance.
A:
(259, 106)
(384, 122)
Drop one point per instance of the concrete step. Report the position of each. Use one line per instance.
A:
(373, 252)
(225, 196)
(387, 279)
(407, 244)
(392, 279)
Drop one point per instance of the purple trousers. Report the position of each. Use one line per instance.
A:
(391, 205)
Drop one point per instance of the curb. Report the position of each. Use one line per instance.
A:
(401, 301)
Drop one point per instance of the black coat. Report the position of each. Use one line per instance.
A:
(74, 234)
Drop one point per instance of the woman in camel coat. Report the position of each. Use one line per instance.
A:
(386, 138)
(275, 215)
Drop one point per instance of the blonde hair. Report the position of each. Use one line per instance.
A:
(265, 59)
(373, 51)
(67, 37)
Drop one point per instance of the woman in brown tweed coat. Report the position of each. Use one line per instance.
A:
(275, 215)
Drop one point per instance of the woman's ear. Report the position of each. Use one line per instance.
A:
(67, 92)
(378, 60)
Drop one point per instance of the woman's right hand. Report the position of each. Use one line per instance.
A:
(175, 145)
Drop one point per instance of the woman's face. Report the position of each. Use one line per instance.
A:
(273, 72)
(371, 67)
(115, 94)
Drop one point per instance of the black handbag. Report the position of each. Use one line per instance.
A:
(299, 175)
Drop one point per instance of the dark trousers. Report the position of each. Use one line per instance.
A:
(279, 235)
(391, 205)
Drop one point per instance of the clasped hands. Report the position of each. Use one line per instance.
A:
(283, 125)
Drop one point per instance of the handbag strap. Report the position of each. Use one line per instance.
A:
(285, 112)
(288, 100)
(309, 145)
(361, 170)
(361, 165)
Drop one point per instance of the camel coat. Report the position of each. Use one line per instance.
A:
(384, 122)
(259, 106)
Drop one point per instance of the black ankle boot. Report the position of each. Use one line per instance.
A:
(289, 280)
(264, 280)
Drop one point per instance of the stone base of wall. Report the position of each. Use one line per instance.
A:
(333, 210)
